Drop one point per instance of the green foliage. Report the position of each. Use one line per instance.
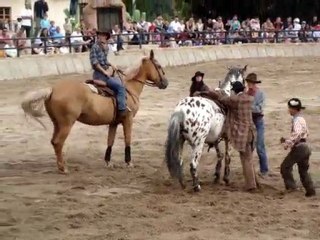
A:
(136, 15)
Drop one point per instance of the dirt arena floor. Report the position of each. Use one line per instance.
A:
(94, 202)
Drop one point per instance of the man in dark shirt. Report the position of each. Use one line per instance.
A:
(100, 64)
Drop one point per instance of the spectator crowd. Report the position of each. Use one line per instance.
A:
(52, 39)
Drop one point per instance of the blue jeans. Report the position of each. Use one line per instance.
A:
(261, 151)
(116, 86)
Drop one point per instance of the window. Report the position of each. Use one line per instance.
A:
(5, 13)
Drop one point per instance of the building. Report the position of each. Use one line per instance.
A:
(11, 10)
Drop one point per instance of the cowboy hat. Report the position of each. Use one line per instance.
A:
(295, 103)
(198, 73)
(104, 33)
(252, 77)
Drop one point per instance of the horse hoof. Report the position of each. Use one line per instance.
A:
(63, 171)
(197, 188)
(216, 181)
(227, 182)
(130, 165)
(109, 165)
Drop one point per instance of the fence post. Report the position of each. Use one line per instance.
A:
(69, 44)
(140, 39)
(18, 51)
(45, 45)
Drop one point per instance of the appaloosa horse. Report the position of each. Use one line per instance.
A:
(199, 120)
(71, 101)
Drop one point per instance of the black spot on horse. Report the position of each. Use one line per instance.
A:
(202, 105)
(192, 100)
(188, 111)
(194, 134)
(198, 103)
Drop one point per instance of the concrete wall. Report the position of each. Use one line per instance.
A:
(41, 66)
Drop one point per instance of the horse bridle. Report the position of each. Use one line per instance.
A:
(150, 83)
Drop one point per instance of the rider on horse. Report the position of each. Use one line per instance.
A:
(100, 64)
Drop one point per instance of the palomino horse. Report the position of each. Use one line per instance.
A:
(199, 120)
(71, 101)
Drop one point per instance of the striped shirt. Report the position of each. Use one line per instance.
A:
(299, 130)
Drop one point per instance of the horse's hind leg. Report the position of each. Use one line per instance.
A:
(217, 173)
(227, 160)
(59, 137)
(196, 155)
(111, 136)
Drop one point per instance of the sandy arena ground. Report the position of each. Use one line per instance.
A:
(94, 202)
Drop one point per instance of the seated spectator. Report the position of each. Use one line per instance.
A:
(199, 25)
(58, 37)
(52, 29)
(234, 24)
(7, 44)
(316, 32)
(76, 40)
(21, 43)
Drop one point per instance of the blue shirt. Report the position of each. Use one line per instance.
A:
(45, 23)
(259, 102)
(98, 55)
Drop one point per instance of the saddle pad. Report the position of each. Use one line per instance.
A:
(92, 88)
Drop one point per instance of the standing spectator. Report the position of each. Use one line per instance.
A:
(18, 25)
(199, 25)
(278, 24)
(26, 16)
(119, 40)
(287, 23)
(268, 29)
(314, 22)
(175, 25)
(67, 27)
(40, 8)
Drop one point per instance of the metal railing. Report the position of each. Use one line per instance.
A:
(163, 38)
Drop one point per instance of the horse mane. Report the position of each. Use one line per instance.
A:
(133, 71)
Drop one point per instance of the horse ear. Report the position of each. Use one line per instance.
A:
(151, 55)
(244, 68)
(229, 67)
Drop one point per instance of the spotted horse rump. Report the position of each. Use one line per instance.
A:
(199, 121)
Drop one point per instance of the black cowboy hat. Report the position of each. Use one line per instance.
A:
(198, 73)
(104, 33)
(295, 103)
(237, 87)
(252, 77)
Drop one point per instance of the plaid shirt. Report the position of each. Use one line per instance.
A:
(239, 122)
(299, 130)
(98, 55)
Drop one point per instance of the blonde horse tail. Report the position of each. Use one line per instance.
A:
(173, 146)
(33, 104)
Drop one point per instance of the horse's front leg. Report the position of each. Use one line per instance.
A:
(127, 130)
(111, 136)
(227, 163)
(196, 155)
(217, 173)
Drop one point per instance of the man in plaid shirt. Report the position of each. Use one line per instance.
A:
(299, 150)
(240, 128)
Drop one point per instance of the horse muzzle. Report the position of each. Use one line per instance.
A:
(163, 84)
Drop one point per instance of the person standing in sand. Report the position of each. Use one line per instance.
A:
(299, 150)
(240, 128)
(258, 120)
